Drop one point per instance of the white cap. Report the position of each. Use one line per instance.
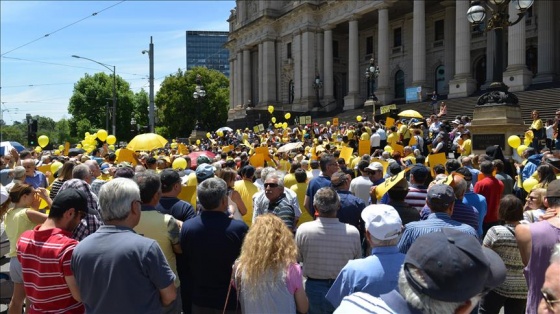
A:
(382, 221)
(375, 166)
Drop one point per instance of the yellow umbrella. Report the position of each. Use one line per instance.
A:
(410, 114)
(147, 142)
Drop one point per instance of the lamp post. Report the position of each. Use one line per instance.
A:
(107, 66)
(151, 109)
(372, 72)
(317, 85)
(498, 21)
(199, 95)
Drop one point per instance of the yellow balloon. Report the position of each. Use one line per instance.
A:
(197, 142)
(359, 118)
(529, 184)
(179, 163)
(273, 119)
(174, 145)
(328, 123)
(87, 134)
(208, 135)
(220, 133)
(514, 141)
(93, 136)
(285, 125)
(56, 152)
(388, 149)
(38, 149)
(55, 166)
(111, 139)
(61, 147)
(527, 141)
(79, 146)
(112, 147)
(270, 109)
(43, 140)
(117, 153)
(521, 149)
(102, 135)
(287, 116)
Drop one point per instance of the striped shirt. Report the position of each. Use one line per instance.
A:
(502, 240)
(464, 213)
(325, 245)
(434, 223)
(45, 261)
(416, 196)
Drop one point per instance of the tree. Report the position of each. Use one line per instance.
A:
(178, 111)
(141, 103)
(92, 95)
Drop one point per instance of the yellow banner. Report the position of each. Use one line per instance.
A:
(381, 189)
(364, 147)
(257, 160)
(389, 122)
(346, 153)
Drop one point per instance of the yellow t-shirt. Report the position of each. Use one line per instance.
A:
(392, 138)
(365, 136)
(466, 147)
(16, 223)
(290, 179)
(300, 189)
(246, 189)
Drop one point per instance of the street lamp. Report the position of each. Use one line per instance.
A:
(199, 95)
(107, 66)
(499, 19)
(151, 114)
(372, 72)
(317, 85)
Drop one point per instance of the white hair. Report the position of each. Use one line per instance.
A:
(276, 175)
(266, 171)
(116, 197)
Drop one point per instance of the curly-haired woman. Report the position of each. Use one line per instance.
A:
(266, 274)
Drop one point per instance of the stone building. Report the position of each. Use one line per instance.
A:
(279, 49)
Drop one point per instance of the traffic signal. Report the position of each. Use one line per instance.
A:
(34, 126)
(32, 139)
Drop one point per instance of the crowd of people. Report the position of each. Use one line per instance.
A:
(311, 229)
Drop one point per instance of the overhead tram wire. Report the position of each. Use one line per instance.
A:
(64, 27)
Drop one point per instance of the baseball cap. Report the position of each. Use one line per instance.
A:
(69, 198)
(419, 171)
(203, 160)
(440, 194)
(394, 168)
(553, 189)
(168, 177)
(382, 221)
(204, 171)
(450, 266)
(374, 166)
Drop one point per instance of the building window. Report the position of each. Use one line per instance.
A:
(399, 84)
(289, 50)
(369, 45)
(439, 30)
(335, 49)
(397, 37)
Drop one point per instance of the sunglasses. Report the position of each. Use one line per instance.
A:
(531, 198)
(271, 185)
(549, 301)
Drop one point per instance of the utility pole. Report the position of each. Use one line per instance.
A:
(151, 115)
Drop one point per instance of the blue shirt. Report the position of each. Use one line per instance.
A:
(38, 180)
(464, 213)
(351, 210)
(314, 185)
(434, 223)
(479, 202)
(474, 173)
(376, 274)
(175, 207)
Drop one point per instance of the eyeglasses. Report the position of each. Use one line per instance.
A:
(271, 185)
(531, 198)
(548, 299)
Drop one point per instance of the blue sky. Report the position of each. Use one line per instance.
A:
(37, 73)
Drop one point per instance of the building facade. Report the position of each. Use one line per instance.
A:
(206, 48)
(279, 50)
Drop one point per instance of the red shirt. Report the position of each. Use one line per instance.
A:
(492, 189)
(45, 260)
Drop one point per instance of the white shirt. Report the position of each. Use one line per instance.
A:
(360, 187)
(375, 140)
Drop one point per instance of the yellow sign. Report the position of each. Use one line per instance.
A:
(335, 121)
(256, 129)
(264, 152)
(364, 147)
(127, 155)
(436, 159)
(257, 160)
(389, 122)
(381, 189)
(66, 148)
(346, 153)
(383, 162)
(388, 108)
(398, 148)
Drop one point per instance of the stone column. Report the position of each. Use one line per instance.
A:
(260, 72)
(231, 83)
(309, 67)
(449, 42)
(490, 51)
(462, 84)
(383, 91)
(239, 78)
(419, 44)
(246, 75)
(268, 79)
(352, 100)
(328, 65)
(545, 35)
(516, 76)
(319, 43)
(296, 54)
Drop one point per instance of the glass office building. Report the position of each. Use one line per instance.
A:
(206, 48)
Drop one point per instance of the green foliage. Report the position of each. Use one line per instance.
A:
(92, 95)
(141, 103)
(178, 111)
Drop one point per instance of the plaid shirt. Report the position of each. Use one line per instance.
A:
(92, 221)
